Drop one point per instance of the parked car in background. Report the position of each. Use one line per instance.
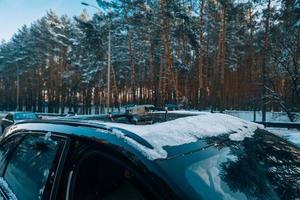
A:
(14, 117)
(171, 107)
(209, 156)
(139, 109)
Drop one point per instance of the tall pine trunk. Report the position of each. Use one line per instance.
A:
(170, 82)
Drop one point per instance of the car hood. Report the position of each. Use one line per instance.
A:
(264, 166)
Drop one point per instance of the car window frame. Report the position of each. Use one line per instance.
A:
(11, 150)
(7, 156)
(52, 183)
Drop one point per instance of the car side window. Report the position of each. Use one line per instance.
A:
(5, 147)
(31, 164)
(101, 177)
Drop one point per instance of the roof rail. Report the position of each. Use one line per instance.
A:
(99, 125)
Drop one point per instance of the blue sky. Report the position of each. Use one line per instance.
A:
(15, 13)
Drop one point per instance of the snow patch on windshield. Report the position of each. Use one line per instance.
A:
(185, 130)
(6, 189)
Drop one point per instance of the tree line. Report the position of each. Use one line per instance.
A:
(218, 54)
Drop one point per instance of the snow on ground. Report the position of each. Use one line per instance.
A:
(249, 115)
(2, 114)
(246, 115)
(292, 135)
(184, 130)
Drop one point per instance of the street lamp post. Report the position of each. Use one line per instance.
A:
(108, 58)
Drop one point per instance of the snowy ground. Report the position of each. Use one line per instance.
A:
(291, 135)
(2, 114)
(251, 115)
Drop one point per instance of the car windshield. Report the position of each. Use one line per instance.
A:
(252, 169)
(20, 116)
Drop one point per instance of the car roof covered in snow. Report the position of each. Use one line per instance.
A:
(151, 140)
(185, 130)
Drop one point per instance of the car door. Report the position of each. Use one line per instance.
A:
(93, 173)
(6, 147)
(29, 169)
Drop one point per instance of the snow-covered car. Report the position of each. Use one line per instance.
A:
(206, 156)
(15, 117)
